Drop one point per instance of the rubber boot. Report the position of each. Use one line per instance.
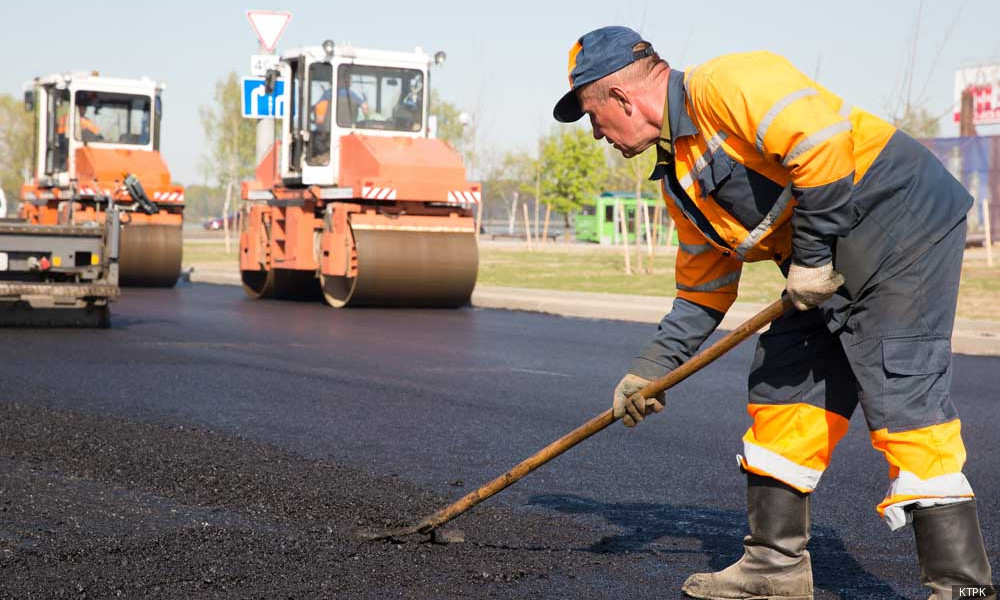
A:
(951, 550)
(775, 561)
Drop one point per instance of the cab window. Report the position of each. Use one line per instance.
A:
(112, 118)
(320, 113)
(57, 146)
(380, 98)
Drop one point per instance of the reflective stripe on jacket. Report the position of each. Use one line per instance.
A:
(764, 171)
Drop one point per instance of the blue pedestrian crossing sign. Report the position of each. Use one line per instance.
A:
(257, 104)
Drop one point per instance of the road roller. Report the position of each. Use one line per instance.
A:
(92, 135)
(357, 202)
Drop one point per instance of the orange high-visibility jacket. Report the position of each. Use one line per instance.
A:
(767, 175)
(85, 125)
(320, 110)
(769, 165)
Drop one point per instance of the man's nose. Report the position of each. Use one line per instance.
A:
(598, 134)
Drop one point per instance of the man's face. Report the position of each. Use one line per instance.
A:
(615, 119)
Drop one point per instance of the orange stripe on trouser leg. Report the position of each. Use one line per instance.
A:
(924, 463)
(792, 443)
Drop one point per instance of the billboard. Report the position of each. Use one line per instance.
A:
(984, 84)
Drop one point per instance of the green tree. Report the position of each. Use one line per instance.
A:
(230, 138)
(16, 138)
(508, 181)
(630, 175)
(574, 168)
(454, 126)
(203, 201)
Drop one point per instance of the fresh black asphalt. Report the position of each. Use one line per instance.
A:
(444, 400)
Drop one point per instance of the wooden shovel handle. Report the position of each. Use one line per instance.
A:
(731, 339)
(734, 337)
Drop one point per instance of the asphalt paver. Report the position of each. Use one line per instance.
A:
(210, 446)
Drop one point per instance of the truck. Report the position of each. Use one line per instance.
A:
(599, 222)
(92, 133)
(356, 201)
(59, 274)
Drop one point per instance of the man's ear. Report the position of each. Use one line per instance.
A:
(623, 98)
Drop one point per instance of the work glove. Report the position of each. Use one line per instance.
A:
(808, 287)
(632, 412)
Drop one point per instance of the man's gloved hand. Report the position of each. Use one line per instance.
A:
(633, 412)
(808, 287)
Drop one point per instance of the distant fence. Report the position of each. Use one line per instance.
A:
(975, 161)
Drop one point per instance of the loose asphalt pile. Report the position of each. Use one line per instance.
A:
(95, 506)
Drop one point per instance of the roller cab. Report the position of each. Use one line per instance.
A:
(91, 134)
(356, 203)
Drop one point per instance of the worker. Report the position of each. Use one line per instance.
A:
(348, 104)
(758, 162)
(349, 101)
(321, 109)
(86, 129)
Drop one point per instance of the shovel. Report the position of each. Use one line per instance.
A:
(430, 523)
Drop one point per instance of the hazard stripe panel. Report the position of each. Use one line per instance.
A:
(464, 197)
(168, 196)
(89, 191)
(378, 193)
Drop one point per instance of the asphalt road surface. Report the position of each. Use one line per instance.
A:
(210, 446)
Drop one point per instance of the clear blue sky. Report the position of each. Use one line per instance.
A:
(506, 60)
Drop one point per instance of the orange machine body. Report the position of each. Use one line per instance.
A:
(99, 173)
(391, 182)
(418, 169)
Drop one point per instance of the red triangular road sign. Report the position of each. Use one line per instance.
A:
(269, 25)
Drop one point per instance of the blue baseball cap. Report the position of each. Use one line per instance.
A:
(595, 55)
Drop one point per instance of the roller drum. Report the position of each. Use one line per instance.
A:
(258, 284)
(149, 255)
(410, 268)
(281, 284)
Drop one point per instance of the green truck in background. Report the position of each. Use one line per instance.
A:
(599, 222)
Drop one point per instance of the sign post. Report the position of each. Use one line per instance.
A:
(260, 64)
(989, 234)
(268, 25)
